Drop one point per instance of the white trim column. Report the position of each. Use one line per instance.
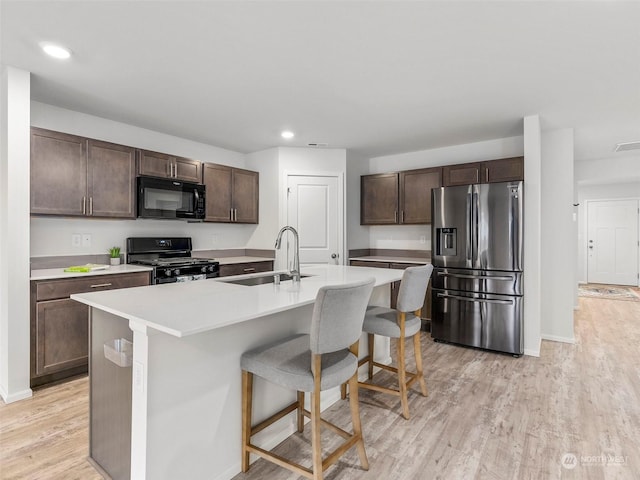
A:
(532, 234)
(15, 121)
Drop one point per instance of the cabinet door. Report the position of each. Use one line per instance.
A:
(61, 335)
(58, 173)
(217, 182)
(503, 170)
(187, 170)
(155, 164)
(415, 194)
(111, 180)
(379, 199)
(463, 174)
(244, 192)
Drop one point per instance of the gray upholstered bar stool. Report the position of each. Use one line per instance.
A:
(324, 359)
(402, 323)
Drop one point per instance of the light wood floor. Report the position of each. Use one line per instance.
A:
(487, 416)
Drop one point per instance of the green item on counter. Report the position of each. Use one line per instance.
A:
(89, 267)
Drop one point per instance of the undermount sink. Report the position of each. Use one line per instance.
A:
(262, 279)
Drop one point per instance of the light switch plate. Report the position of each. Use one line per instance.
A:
(86, 239)
(76, 240)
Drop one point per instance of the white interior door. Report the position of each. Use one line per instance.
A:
(314, 210)
(612, 242)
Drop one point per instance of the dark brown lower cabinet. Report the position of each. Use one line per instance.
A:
(245, 268)
(61, 333)
(425, 313)
(60, 326)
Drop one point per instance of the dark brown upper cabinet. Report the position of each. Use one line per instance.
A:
(76, 176)
(154, 164)
(415, 194)
(232, 194)
(502, 170)
(379, 199)
(398, 198)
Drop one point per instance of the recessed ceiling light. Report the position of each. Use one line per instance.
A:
(55, 51)
(287, 134)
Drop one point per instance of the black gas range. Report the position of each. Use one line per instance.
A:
(170, 258)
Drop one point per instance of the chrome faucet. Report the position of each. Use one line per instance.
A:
(295, 272)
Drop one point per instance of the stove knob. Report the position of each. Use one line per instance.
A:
(176, 272)
(167, 272)
(212, 268)
(203, 269)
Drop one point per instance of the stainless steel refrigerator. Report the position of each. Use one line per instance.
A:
(477, 258)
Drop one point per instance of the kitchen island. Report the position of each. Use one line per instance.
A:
(174, 410)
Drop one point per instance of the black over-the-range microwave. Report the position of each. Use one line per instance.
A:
(168, 198)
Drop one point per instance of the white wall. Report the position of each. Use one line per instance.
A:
(266, 162)
(418, 237)
(52, 236)
(357, 235)
(606, 191)
(14, 230)
(557, 228)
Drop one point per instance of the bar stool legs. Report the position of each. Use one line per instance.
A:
(318, 464)
(400, 370)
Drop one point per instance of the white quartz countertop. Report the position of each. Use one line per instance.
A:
(375, 258)
(59, 273)
(182, 309)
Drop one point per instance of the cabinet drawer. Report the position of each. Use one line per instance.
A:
(50, 290)
(245, 268)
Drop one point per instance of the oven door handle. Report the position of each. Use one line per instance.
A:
(475, 300)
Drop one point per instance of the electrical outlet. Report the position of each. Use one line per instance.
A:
(86, 239)
(423, 239)
(76, 240)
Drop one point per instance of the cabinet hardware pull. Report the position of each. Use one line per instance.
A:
(402, 216)
(235, 214)
(395, 216)
(249, 270)
(486, 173)
(231, 214)
(90, 205)
(477, 175)
(101, 285)
(84, 205)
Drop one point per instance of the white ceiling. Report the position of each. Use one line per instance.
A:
(374, 77)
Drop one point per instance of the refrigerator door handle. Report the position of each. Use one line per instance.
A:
(488, 277)
(469, 225)
(475, 254)
(475, 300)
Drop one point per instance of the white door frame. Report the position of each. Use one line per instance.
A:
(586, 230)
(342, 214)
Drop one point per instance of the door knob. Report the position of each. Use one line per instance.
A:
(334, 255)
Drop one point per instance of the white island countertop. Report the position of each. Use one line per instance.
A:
(182, 309)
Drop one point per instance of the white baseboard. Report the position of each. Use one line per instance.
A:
(555, 338)
(14, 397)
